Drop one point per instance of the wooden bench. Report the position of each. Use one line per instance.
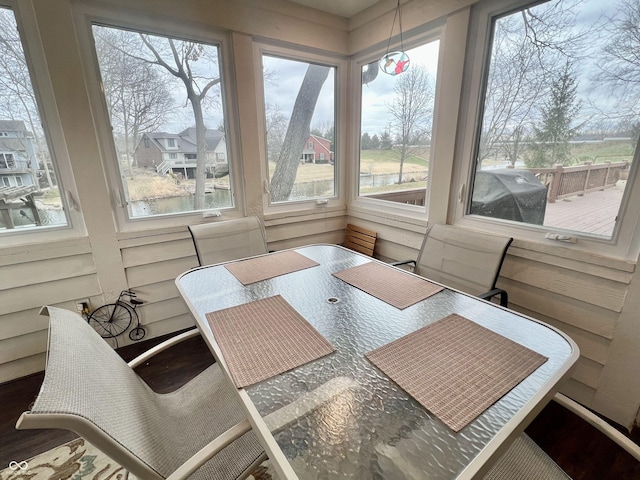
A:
(360, 239)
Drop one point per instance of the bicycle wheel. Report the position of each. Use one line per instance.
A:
(110, 320)
(137, 333)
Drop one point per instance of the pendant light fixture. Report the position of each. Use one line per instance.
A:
(396, 62)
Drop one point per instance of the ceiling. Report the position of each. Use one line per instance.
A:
(343, 8)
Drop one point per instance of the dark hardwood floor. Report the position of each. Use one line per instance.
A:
(583, 452)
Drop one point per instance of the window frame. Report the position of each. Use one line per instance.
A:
(433, 31)
(54, 136)
(290, 52)
(85, 16)
(625, 239)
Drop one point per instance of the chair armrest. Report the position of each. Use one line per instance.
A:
(210, 450)
(504, 297)
(143, 357)
(404, 262)
(597, 422)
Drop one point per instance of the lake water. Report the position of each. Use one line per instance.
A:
(218, 199)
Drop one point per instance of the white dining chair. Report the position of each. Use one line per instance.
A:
(228, 240)
(199, 429)
(467, 260)
(525, 460)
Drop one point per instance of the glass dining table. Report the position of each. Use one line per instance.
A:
(340, 416)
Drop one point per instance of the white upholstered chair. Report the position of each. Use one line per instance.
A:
(228, 240)
(91, 391)
(463, 259)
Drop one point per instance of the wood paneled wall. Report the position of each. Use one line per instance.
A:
(61, 273)
(58, 273)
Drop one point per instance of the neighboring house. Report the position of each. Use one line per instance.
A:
(17, 156)
(177, 152)
(317, 150)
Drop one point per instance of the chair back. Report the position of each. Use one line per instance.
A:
(360, 239)
(463, 259)
(228, 240)
(89, 389)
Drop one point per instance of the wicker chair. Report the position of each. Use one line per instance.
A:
(463, 259)
(228, 240)
(90, 390)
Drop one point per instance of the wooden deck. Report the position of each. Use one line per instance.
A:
(593, 212)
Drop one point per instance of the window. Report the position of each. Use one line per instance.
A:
(395, 128)
(300, 101)
(560, 119)
(6, 161)
(147, 79)
(37, 205)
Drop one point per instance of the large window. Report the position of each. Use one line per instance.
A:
(396, 126)
(300, 112)
(30, 198)
(560, 116)
(164, 97)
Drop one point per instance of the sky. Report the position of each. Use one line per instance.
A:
(378, 95)
(288, 75)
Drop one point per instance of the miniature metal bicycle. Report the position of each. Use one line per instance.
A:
(114, 319)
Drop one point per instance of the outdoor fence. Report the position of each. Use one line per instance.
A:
(415, 196)
(565, 182)
(561, 182)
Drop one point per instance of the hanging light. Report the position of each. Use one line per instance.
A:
(396, 62)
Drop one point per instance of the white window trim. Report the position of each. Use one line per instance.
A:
(85, 15)
(625, 242)
(340, 115)
(381, 208)
(51, 124)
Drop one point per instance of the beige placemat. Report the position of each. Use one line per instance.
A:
(261, 268)
(264, 338)
(456, 368)
(389, 284)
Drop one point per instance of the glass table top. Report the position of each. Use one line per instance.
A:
(369, 427)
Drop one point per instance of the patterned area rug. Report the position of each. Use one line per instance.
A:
(78, 460)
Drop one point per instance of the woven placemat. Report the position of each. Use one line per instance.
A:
(264, 338)
(456, 368)
(268, 266)
(390, 285)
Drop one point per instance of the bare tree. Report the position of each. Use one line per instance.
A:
(528, 50)
(17, 97)
(276, 126)
(138, 97)
(412, 110)
(297, 132)
(300, 124)
(620, 59)
(193, 65)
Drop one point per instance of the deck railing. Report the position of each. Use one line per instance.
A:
(561, 182)
(414, 196)
(565, 182)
